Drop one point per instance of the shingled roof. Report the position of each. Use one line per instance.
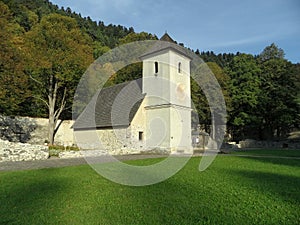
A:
(164, 43)
(114, 106)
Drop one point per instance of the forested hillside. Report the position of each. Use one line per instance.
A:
(46, 49)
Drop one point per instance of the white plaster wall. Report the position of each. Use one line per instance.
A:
(65, 133)
(180, 127)
(167, 127)
(157, 84)
(180, 91)
(138, 124)
(158, 128)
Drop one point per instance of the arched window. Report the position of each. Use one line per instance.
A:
(179, 67)
(156, 67)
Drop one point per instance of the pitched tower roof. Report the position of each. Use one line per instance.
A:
(166, 43)
(166, 37)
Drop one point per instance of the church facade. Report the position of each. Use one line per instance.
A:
(152, 113)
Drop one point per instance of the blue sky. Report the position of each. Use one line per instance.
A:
(211, 25)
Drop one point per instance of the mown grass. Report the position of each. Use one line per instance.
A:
(268, 152)
(233, 190)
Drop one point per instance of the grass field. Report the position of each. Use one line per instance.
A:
(268, 152)
(233, 190)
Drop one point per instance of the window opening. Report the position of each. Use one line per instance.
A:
(179, 67)
(141, 136)
(156, 67)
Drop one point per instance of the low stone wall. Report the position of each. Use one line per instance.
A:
(70, 154)
(10, 151)
(16, 129)
(34, 130)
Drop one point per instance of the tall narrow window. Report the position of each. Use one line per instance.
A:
(141, 136)
(179, 67)
(156, 67)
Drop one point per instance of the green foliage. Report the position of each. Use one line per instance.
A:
(131, 72)
(233, 190)
(244, 85)
(221, 59)
(200, 101)
(14, 84)
(271, 52)
(137, 37)
(279, 92)
(63, 54)
(54, 150)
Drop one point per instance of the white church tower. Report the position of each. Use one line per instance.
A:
(166, 83)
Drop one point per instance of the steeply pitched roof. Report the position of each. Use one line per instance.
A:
(166, 37)
(166, 42)
(112, 107)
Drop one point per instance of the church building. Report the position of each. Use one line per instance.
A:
(151, 113)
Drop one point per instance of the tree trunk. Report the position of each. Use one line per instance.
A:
(51, 128)
(54, 113)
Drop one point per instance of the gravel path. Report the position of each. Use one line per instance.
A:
(57, 162)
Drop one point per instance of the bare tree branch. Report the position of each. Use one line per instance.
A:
(62, 106)
(37, 81)
(43, 100)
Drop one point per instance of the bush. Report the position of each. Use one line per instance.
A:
(54, 150)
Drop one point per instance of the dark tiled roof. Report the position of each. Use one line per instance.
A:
(166, 42)
(166, 37)
(113, 107)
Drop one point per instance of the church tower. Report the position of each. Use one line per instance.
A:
(166, 83)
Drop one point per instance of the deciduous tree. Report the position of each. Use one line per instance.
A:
(13, 82)
(59, 54)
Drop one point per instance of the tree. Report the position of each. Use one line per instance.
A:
(244, 88)
(199, 99)
(137, 37)
(278, 100)
(272, 52)
(13, 82)
(58, 54)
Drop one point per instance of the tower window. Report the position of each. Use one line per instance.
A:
(179, 67)
(156, 67)
(141, 136)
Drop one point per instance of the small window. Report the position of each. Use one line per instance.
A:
(141, 136)
(156, 67)
(179, 67)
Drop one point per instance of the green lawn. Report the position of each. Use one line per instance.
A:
(233, 190)
(268, 152)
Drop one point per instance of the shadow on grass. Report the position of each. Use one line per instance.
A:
(276, 161)
(27, 196)
(216, 196)
(279, 186)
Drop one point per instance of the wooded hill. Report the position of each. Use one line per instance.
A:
(46, 49)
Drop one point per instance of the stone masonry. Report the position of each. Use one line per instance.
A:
(10, 151)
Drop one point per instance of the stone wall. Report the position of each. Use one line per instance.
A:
(115, 142)
(249, 143)
(16, 129)
(34, 130)
(10, 151)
